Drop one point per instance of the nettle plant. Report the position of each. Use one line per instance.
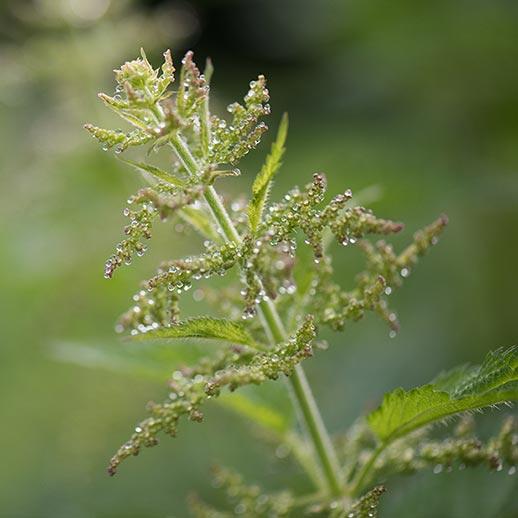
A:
(280, 292)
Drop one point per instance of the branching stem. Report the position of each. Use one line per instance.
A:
(275, 330)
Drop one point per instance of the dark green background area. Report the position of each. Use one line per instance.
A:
(417, 98)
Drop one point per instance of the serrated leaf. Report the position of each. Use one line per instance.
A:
(202, 327)
(262, 182)
(461, 390)
(158, 173)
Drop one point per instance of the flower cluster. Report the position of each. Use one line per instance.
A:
(250, 500)
(419, 451)
(246, 500)
(233, 367)
(142, 98)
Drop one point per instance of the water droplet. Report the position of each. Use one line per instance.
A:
(291, 289)
(405, 272)
(437, 469)
(240, 508)
(282, 451)
(198, 295)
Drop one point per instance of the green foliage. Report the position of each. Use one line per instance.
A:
(262, 183)
(202, 327)
(278, 295)
(154, 171)
(467, 389)
(190, 387)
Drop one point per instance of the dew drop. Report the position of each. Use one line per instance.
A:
(282, 451)
(240, 508)
(198, 295)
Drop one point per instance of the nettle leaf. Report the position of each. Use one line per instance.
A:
(199, 220)
(260, 411)
(262, 182)
(154, 171)
(493, 383)
(202, 327)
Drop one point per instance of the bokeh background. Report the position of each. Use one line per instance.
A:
(419, 99)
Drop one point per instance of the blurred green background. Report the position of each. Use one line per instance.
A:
(418, 98)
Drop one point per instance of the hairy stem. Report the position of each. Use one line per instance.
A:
(275, 330)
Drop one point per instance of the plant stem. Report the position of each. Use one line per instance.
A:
(307, 404)
(363, 475)
(275, 330)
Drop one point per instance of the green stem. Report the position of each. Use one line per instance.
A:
(307, 404)
(221, 215)
(364, 474)
(275, 330)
